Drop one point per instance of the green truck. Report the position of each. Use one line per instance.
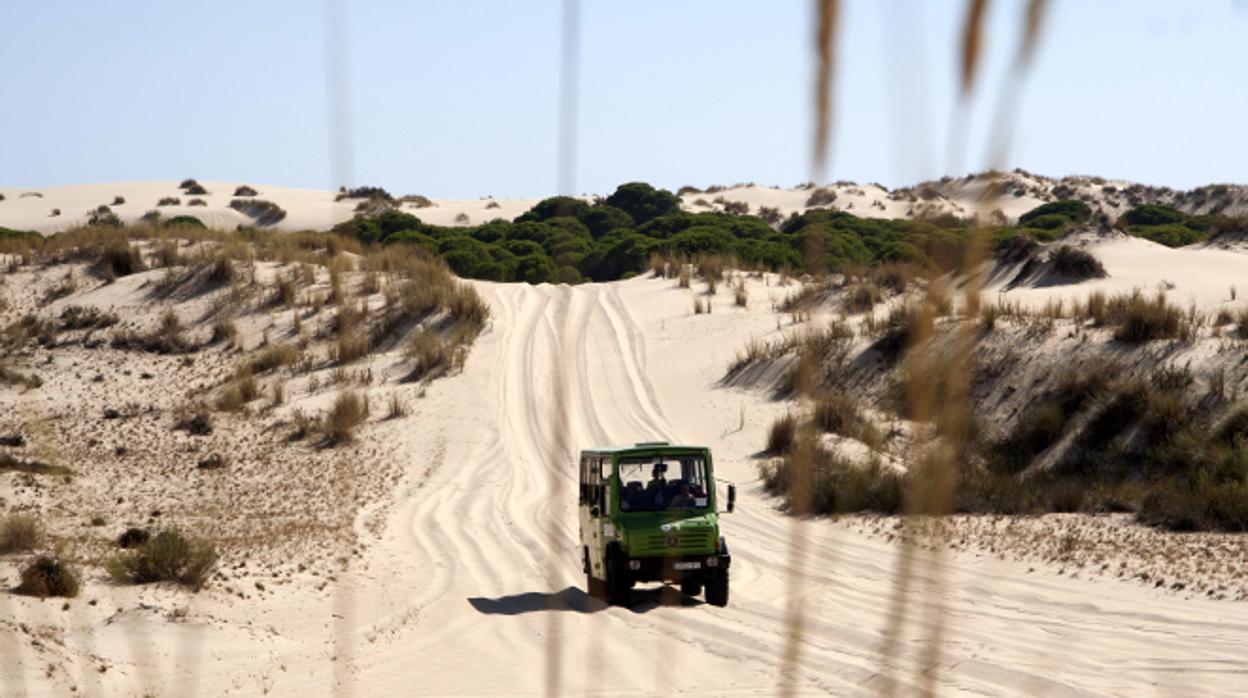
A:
(648, 514)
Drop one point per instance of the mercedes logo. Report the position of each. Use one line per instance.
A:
(672, 541)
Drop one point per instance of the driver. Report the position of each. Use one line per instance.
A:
(657, 484)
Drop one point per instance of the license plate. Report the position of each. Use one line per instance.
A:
(687, 565)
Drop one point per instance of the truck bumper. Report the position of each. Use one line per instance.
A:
(671, 569)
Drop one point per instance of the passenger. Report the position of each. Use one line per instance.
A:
(684, 499)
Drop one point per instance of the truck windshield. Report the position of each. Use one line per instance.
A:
(660, 483)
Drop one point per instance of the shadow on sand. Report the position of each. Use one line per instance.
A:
(576, 600)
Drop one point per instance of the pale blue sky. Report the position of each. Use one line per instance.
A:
(460, 99)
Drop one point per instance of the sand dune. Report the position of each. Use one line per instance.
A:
(988, 195)
(454, 568)
(453, 591)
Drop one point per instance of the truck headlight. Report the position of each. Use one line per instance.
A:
(634, 564)
(712, 562)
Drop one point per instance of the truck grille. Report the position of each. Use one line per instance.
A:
(684, 540)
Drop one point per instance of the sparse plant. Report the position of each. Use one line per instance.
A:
(1074, 263)
(741, 296)
(169, 556)
(782, 436)
(349, 411)
(20, 532)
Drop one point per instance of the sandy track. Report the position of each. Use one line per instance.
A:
(458, 597)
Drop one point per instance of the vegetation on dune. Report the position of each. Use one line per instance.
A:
(570, 240)
(1171, 227)
(1094, 437)
(20, 532)
(563, 239)
(168, 556)
(47, 575)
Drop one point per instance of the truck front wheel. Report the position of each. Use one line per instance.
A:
(619, 587)
(691, 587)
(717, 589)
(596, 588)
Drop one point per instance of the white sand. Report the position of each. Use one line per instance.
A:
(480, 536)
(1200, 275)
(307, 209)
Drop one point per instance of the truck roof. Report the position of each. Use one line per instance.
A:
(643, 446)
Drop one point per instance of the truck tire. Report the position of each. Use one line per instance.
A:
(619, 587)
(717, 589)
(691, 587)
(596, 588)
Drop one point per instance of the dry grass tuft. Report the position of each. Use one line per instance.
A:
(349, 412)
(782, 436)
(20, 532)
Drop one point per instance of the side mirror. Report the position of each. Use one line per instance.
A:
(732, 498)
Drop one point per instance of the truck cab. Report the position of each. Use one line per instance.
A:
(648, 513)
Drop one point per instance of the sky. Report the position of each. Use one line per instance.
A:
(460, 99)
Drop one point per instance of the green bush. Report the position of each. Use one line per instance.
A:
(1070, 209)
(643, 202)
(184, 222)
(1169, 235)
(169, 556)
(1155, 214)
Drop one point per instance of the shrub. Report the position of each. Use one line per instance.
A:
(185, 221)
(349, 411)
(839, 413)
(45, 576)
(274, 356)
(364, 193)
(103, 216)
(244, 190)
(20, 532)
(261, 211)
(133, 538)
(1073, 263)
(1141, 320)
(169, 201)
(900, 330)
(862, 297)
(76, 317)
(119, 200)
(119, 259)
(1154, 214)
(783, 435)
(350, 346)
(822, 196)
(1070, 209)
(169, 556)
(643, 202)
(1168, 235)
(188, 183)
